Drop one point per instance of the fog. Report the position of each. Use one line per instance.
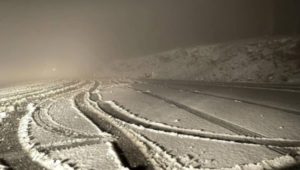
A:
(59, 36)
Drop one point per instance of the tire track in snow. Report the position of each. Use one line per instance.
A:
(158, 158)
(257, 86)
(45, 123)
(30, 89)
(163, 160)
(47, 93)
(44, 120)
(30, 147)
(247, 135)
(62, 145)
(231, 99)
(41, 120)
(39, 153)
(58, 125)
(95, 86)
(232, 127)
(37, 92)
(13, 104)
(117, 113)
(26, 152)
(128, 151)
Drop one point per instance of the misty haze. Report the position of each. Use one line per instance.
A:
(150, 84)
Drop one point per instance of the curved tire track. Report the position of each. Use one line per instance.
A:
(260, 139)
(73, 144)
(38, 92)
(257, 139)
(128, 151)
(44, 122)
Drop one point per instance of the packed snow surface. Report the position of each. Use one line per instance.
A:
(125, 125)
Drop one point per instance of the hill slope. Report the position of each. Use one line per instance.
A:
(255, 60)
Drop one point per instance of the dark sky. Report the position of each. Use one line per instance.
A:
(69, 30)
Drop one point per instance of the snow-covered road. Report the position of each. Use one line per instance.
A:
(268, 114)
(152, 124)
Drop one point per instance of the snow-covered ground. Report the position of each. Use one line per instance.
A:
(269, 59)
(163, 124)
(157, 110)
(142, 125)
(266, 121)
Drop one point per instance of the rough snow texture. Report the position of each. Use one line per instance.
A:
(30, 147)
(158, 111)
(90, 156)
(20, 101)
(168, 159)
(64, 113)
(71, 139)
(266, 121)
(258, 60)
(207, 153)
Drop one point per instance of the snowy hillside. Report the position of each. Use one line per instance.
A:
(260, 60)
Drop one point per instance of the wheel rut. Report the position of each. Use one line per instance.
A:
(129, 152)
(258, 138)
